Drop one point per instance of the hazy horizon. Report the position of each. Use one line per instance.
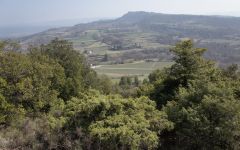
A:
(25, 29)
(27, 16)
(15, 12)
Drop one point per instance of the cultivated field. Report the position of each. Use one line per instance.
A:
(141, 69)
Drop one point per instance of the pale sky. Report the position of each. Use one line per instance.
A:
(15, 12)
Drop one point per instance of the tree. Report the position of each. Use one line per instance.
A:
(30, 82)
(136, 81)
(206, 116)
(9, 45)
(123, 81)
(76, 69)
(189, 66)
(116, 123)
(105, 58)
(2, 44)
(200, 100)
(231, 72)
(7, 111)
(104, 84)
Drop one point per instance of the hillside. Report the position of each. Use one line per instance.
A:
(143, 35)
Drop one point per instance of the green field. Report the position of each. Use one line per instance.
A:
(141, 69)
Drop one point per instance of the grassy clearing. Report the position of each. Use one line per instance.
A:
(141, 69)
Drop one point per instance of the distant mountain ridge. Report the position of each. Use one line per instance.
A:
(151, 18)
(220, 34)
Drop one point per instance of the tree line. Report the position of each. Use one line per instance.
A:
(50, 98)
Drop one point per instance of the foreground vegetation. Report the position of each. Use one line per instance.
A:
(51, 99)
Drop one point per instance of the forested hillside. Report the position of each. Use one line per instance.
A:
(143, 35)
(50, 98)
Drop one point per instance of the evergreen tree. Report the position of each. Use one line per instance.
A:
(189, 66)
(201, 102)
(116, 123)
(136, 81)
(76, 69)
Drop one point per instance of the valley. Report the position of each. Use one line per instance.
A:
(119, 75)
(144, 36)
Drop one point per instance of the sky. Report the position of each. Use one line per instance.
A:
(17, 12)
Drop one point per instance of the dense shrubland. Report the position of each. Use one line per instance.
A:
(51, 99)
